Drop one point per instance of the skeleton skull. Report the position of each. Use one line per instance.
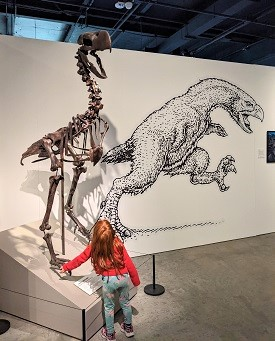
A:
(95, 41)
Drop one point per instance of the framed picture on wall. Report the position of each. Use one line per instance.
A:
(270, 146)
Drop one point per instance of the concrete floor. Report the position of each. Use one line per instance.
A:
(223, 291)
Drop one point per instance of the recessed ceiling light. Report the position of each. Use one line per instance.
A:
(119, 4)
(128, 4)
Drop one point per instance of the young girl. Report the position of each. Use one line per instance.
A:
(110, 260)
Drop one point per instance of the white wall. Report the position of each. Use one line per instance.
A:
(40, 91)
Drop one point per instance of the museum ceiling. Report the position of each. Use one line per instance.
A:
(229, 30)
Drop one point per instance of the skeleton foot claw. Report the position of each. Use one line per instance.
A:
(83, 231)
(58, 261)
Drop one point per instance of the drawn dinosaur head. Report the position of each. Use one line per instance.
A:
(242, 106)
(91, 42)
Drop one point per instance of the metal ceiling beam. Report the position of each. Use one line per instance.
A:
(231, 30)
(220, 51)
(254, 52)
(143, 10)
(73, 27)
(266, 60)
(217, 38)
(116, 33)
(223, 54)
(147, 2)
(202, 23)
(165, 5)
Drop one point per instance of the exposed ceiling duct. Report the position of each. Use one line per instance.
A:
(213, 29)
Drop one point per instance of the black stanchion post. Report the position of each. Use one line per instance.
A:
(4, 326)
(154, 289)
(154, 272)
(83, 325)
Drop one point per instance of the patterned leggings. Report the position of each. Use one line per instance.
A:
(118, 283)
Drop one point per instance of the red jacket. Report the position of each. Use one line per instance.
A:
(129, 266)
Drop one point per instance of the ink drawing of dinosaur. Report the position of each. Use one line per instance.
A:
(167, 140)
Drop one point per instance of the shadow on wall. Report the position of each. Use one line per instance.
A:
(86, 201)
(110, 142)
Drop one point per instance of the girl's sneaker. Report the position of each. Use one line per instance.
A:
(106, 336)
(127, 329)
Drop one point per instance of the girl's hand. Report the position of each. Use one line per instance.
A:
(62, 270)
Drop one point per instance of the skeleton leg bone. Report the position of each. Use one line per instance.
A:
(55, 163)
(69, 207)
(54, 260)
(54, 181)
(77, 172)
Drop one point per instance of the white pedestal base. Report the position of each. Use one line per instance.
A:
(31, 289)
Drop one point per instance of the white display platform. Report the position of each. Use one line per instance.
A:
(31, 289)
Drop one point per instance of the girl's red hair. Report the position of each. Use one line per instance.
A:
(107, 249)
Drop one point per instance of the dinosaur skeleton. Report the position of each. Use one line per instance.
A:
(70, 142)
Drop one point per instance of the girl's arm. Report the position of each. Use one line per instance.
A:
(78, 260)
(131, 268)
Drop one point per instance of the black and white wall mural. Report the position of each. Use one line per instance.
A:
(167, 142)
(182, 162)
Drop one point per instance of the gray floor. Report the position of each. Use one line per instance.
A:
(223, 291)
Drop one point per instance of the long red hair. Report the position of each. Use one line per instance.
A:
(104, 244)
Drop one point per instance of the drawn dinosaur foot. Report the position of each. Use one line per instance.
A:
(113, 218)
(225, 166)
(123, 231)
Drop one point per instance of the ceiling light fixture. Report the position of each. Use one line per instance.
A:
(124, 4)
(119, 4)
(128, 4)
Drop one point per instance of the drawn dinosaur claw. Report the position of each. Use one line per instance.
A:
(224, 188)
(226, 165)
(232, 168)
(230, 158)
(102, 205)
